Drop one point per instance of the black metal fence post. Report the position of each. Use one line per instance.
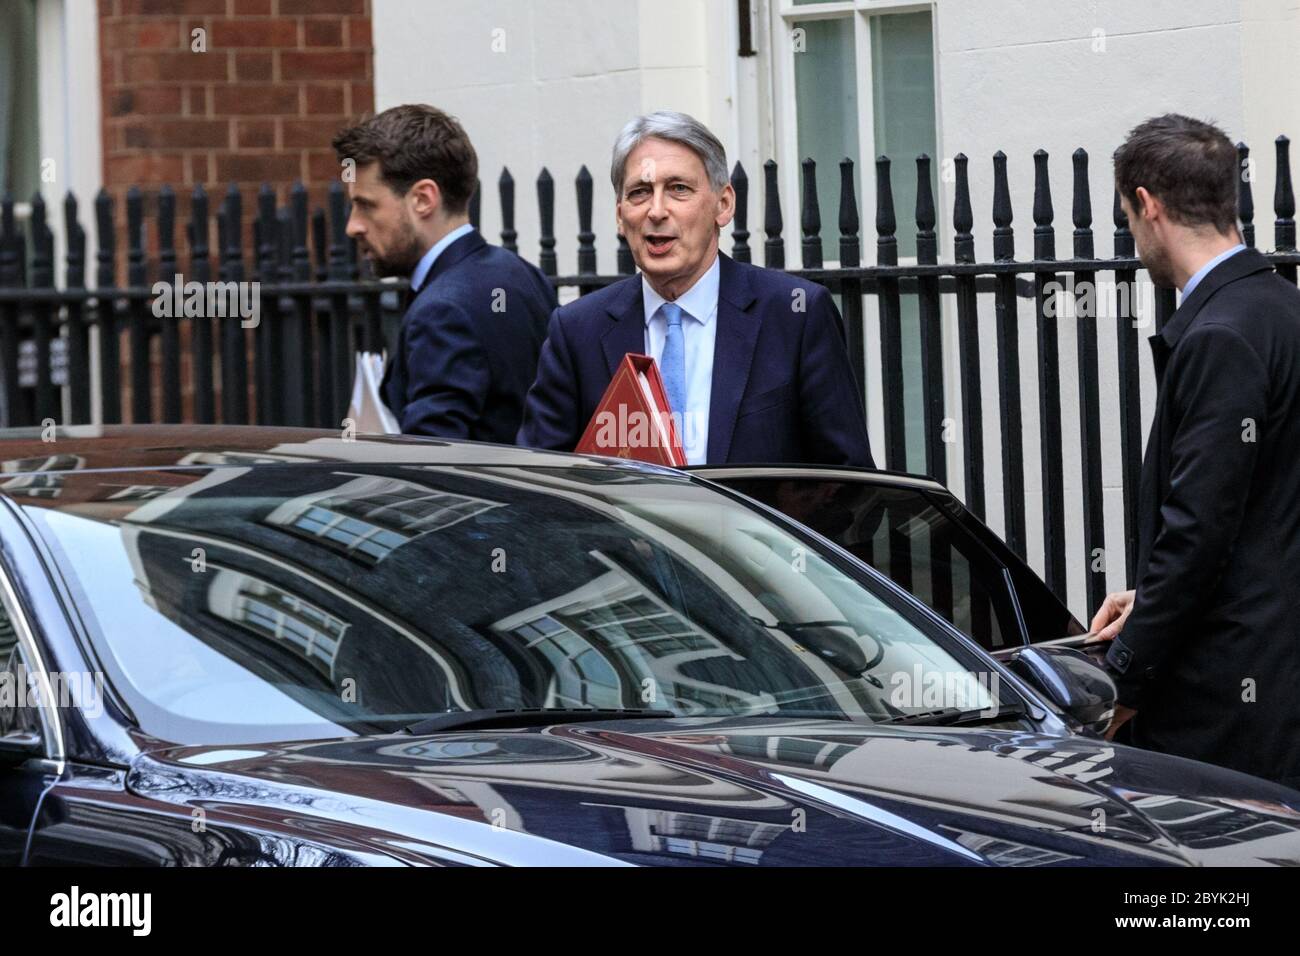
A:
(1086, 302)
(10, 277)
(78, 347)
(506, 193)
(1130, 398)
(891, 326)
(1245, 195)
(106, 310)
(1284, 209)
(201, 325)
(1049, 383)
(170, 332)
(1013, 460)
(586, 238)
(546, 220)
(740, 224)
(774, 245)
(851, 289)
(47, 407)
(810, 218)
(972, 401)
(927, 293)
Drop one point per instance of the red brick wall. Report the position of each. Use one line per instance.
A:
(261, 104)
(278, 79)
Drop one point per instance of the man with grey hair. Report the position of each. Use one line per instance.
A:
(753, 360)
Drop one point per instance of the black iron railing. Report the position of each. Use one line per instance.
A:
(317, 308)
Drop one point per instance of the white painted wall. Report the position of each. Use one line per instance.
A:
(1015, 75)
(571, 74)
(1020, 75)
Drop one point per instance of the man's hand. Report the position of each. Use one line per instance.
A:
(1110, 617)
(1122, 716)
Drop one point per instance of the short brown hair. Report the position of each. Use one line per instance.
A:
(1189, 164)
(413, 142)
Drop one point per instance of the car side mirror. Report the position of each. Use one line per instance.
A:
(1072, 681)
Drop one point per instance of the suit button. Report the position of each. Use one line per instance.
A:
(1149, 672)
(1122, 658)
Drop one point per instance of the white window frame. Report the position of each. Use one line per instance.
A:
(786, 134)
(68, 107)
(784, 149)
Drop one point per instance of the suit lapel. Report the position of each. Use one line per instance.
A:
(466, 245)
(733, 355)
(627, 333)
(1244, 263)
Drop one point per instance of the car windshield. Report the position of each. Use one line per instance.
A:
(306, 601)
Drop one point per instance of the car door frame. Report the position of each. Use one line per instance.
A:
(1006, 565)
(26, 784)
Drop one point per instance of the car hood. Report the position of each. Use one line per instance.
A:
(755, 791)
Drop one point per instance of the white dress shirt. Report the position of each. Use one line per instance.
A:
(699, 332)
(1204, 270)
(429, 258)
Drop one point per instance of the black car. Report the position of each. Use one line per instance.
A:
(262, 646)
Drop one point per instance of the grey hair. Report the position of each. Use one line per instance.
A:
(676, 128)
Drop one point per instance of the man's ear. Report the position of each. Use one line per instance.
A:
(1149, 206)
(726, 206)
(425, 197)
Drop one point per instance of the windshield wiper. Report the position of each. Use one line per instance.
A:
(948, 716)
(525, 717)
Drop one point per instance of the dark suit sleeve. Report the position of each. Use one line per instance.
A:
(1221, 388)
(448, 372)
(834, 429)
(551, 409)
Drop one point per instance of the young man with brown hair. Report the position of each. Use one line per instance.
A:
(469, 341)
(1206, 650)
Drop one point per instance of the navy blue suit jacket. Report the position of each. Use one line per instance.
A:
(783, 389)
(468, 346)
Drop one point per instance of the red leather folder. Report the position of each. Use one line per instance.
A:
(634, 419)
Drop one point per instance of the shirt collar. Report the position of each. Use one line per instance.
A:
(700, 301)
(1204, 270)
(427, 260)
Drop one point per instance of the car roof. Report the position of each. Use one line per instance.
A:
(89, 448)
(140, 447)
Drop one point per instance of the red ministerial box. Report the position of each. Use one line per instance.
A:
(634, 419)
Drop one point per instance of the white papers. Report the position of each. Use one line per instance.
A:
(367, 409)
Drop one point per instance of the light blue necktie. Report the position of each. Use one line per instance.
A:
(673, 362)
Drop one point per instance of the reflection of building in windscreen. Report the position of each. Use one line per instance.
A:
(606, 639)
(370, 516)
(298, 631)
(280, 615)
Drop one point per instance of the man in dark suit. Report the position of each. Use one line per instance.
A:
(1206, 650)
(753, 360)
(468, 345)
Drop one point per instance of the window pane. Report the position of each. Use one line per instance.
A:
(901, 533)
(19, 159)
(826, 110)
(902, 83)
